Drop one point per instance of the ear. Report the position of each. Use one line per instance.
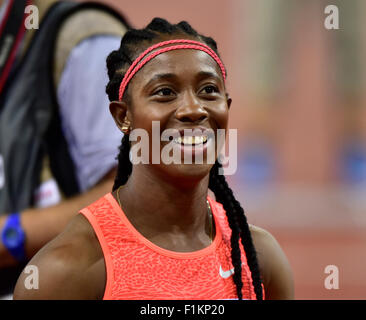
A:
(119, 112)
(228, 100)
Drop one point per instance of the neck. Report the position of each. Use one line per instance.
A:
(161, 206)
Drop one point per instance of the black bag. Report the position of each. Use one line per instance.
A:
(29, 119)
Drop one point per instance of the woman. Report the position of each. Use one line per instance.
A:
(158, 235)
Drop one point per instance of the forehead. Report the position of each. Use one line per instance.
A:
(183, 62)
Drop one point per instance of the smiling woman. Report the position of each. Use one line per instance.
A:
(158, 235)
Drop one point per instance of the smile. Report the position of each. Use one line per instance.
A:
(198, 145)
(191, 140)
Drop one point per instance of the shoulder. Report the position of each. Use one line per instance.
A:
(274, 266)
(69, 267)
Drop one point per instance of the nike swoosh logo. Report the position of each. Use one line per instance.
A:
(228, 273)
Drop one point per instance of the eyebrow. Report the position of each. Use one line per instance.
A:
(208, 74)
(170, 76)
(161, 76)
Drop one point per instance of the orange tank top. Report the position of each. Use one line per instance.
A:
(138, 269)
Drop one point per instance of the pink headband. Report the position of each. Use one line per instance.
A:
(191, 44)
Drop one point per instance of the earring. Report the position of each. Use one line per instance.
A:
(125, 126)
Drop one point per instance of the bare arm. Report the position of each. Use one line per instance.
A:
(71, 266)
(274, 266)
(42, 225)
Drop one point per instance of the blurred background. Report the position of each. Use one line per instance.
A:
(299, 106)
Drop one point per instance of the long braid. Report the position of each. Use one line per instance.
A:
(124, 164)
(133, 43)
(225, 196)
(247, 242)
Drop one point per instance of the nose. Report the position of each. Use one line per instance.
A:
(191, 109)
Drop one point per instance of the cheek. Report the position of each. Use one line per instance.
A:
(144, 117)
(221, 115)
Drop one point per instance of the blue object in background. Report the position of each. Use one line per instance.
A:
(256, 163)
(353, 162)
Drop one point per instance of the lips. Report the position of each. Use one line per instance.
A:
(194, 145)
(192, 136)
(191, 140)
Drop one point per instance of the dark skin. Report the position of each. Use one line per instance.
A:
(72, 265)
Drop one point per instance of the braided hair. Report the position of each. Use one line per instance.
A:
(132, 44)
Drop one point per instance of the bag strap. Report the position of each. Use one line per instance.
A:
(11, 32)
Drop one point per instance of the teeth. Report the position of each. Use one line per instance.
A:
(191, 140)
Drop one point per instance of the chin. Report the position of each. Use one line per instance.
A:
(186, 173)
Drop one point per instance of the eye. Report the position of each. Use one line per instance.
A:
(164, 92)
(209, 89)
